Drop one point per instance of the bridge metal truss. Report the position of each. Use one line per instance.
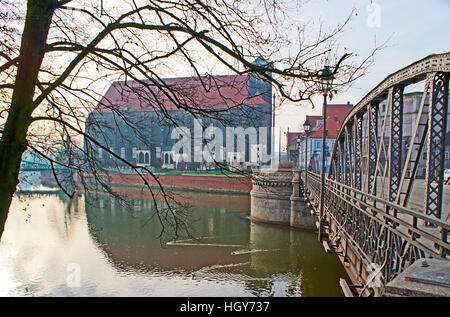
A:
(29, 166)
(373, 173)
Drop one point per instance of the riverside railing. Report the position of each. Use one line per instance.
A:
(380, 232)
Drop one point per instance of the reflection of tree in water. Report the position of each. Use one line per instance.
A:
(66, 209)
(267, 260)
(129, 237)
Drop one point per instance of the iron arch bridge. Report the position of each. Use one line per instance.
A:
(377, 212)
(31, 166)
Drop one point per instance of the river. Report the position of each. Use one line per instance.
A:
(91, 246)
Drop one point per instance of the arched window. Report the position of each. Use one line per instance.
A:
(166, 158)
(147, 158)
(141, 157)
(171, 159)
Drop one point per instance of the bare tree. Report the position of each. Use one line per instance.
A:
(57, 56)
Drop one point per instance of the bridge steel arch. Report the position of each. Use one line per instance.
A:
(372, 176)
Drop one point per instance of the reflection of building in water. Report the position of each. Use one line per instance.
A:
(267, 260)
(128, 234)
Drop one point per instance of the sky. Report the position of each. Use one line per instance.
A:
(414, 29)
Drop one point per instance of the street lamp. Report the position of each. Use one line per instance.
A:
(298, 158)
(306, 128)
(326, 80)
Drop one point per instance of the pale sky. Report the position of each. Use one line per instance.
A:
(415, 29)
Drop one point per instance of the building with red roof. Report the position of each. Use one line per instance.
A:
(292, 145)
(333, 127)
(136, 119)
(204, 93)
(336, 114)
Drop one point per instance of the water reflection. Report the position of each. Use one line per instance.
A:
(119, 252)
(130, 237)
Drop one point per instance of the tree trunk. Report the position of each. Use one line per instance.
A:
(13, 142)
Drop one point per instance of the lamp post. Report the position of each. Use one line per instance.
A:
(298, 158)
(306, 127)
(326, 82)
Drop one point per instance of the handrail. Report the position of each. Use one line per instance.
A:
(397, 243)
(370, 181)
(441, 223)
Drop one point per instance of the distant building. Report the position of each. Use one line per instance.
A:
(140, 132)
(282, 156)
(292, 146)
(411, 104)
(336, 114)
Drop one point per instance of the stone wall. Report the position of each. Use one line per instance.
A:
(276, 198)
(208, 183)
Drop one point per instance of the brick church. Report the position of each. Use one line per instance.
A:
(135, 119)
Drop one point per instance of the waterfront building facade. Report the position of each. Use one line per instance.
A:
(141, 121)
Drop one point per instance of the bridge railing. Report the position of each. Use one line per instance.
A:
(380, 232)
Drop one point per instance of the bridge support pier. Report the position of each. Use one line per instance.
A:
(276, 198)
(301, 216)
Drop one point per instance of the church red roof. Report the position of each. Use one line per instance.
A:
(336, 114)
(338, 111)
(208, 92)
(292, 137)
(313, 120)
(333, 127)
